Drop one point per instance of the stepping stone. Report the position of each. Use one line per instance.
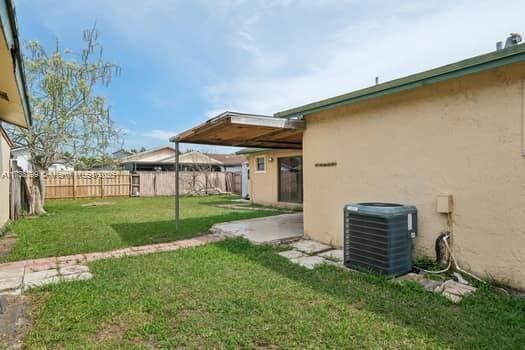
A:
(455, 288)
(83, 276)
(411, 276)
(40, 278)
(334, 255)
(310, 247)
(41, 264)
(11, 284)
(310, 261)
(12, 270)
(291, 254)
(73, 269)
(42, 282)
(452, 297)
(11, 273)
(430, 285)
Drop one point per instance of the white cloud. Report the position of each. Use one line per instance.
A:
(388, 41)
(160, 135)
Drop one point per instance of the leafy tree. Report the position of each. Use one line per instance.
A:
(88, 163)
(70, 117)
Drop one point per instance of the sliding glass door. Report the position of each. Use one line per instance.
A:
(291, 179)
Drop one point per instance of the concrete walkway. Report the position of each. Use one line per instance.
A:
(21, 275)
(270, 229)
(286, 228)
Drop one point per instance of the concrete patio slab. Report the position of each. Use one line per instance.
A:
(310, 247)
(271, 229)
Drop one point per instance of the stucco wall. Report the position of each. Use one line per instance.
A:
(4, 181)
(462, 137)
(264, 185)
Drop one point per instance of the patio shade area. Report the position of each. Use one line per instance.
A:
(245, 130)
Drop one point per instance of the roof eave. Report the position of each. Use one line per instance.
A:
(468, 66)
(19, 63)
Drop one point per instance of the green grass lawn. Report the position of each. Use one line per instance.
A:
(231, 294)
(70, 228)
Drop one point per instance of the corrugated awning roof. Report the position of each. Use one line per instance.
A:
(245, 130)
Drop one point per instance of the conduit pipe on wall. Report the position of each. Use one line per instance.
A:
(451, 260)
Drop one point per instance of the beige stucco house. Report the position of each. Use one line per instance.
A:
(451, 136)
(14, 107)
(5, 148)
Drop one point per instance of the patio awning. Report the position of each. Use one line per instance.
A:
(245, 130)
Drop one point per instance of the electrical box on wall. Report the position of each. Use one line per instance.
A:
(444, 204)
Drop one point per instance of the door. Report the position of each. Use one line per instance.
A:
(291, 179)
(245, 180)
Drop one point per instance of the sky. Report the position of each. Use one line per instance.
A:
(184, 61)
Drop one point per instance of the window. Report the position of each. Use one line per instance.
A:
(260, 163)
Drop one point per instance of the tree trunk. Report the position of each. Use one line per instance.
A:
(38, 194)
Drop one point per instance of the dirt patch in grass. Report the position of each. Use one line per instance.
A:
(124, 328)
(6, 244)
(96, 204)
(15, 322)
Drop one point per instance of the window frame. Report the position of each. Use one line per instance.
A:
(257, 164)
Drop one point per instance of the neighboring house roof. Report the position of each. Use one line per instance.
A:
(121, 153)
(14, 100)
(195, 157)
(468, 66)
(166, 154)
(153, 155)
(228, 159)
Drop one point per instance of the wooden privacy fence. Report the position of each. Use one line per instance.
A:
(87, 184)
(190, 182)
(91, 184)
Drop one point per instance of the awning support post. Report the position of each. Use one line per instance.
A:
(177, 200)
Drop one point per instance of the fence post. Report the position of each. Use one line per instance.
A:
(101, 187)
(74, 186)
(155, 185)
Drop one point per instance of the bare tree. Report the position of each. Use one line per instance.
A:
(197, 176)
(69, 115)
